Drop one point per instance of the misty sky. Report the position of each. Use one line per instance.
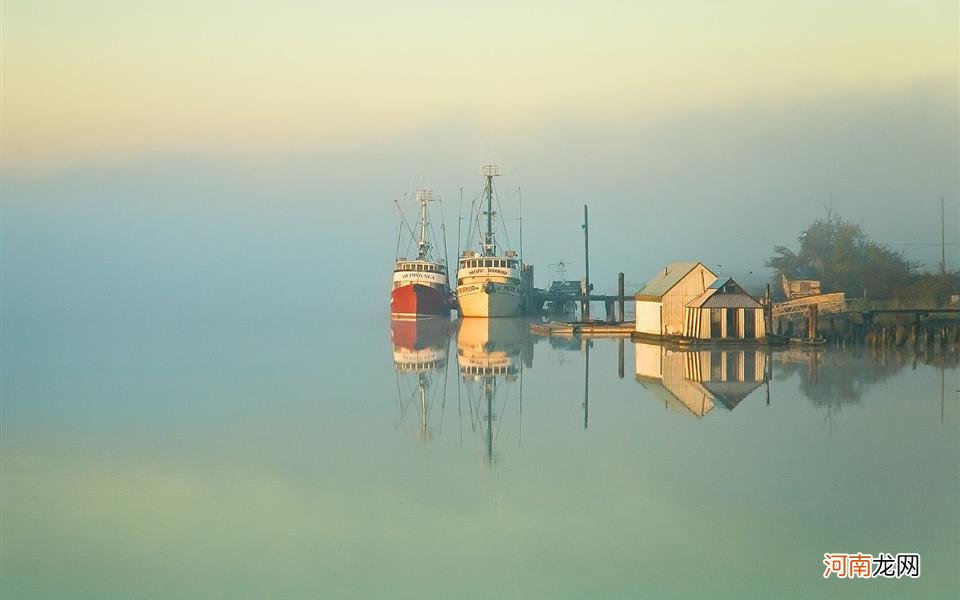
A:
(209, 153)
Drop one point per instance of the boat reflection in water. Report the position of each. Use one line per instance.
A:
(421, 349)
(490, 359)
(696, 381)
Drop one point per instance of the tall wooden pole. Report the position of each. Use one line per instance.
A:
(585, 305)
(943, 243)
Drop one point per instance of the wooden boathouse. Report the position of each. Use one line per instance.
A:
(661, 304)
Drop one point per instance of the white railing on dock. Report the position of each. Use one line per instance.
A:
(825, 303)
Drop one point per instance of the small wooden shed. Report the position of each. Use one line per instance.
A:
(725, 311)
(661, 302)
(800, 282)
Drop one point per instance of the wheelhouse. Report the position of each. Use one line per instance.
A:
(489, 263)
(419, 265)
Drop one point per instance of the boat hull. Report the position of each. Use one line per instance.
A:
(489, 300)
(418, 301)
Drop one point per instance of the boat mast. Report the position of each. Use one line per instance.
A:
(489, 243)
(423, 196)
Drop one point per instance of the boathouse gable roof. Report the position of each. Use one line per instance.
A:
(724, 293)
(666, 280)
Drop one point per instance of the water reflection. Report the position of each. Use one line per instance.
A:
(697, 381)
(420, 356)
(490, 358)
(833, 378)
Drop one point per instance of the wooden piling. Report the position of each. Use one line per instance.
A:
(812, 321)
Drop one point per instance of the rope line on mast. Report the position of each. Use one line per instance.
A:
(503, 222)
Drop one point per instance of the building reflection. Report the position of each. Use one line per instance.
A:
(697, 381)
(490, 358)
(421, 349)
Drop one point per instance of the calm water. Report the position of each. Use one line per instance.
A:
(286, 457)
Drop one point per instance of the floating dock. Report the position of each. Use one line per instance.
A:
(583, 329)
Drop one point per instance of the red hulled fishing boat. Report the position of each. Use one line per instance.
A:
(420, 286)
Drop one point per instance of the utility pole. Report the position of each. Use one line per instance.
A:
(585, 305)
(943, 242)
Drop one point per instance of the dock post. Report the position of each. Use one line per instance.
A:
(768, 314)
(623, 313)
(526, 283)
(812, 322)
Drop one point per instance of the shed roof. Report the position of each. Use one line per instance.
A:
(802, 273)
(671, 275)
(714, 297)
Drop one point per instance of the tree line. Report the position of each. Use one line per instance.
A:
(845, 259)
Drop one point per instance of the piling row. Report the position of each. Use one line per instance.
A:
(854, 329)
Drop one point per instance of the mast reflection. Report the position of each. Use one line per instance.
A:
(421, 349)
(490, 360)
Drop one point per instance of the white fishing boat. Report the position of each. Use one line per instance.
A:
(488, 280)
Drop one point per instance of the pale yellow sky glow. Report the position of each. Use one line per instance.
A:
(101, 81)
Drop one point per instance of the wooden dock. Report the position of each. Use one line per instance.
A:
(583, 329)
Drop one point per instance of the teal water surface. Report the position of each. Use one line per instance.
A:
(355, 458)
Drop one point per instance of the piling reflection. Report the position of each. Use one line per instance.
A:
(490, 357)
(695, 382)
(420, 356)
